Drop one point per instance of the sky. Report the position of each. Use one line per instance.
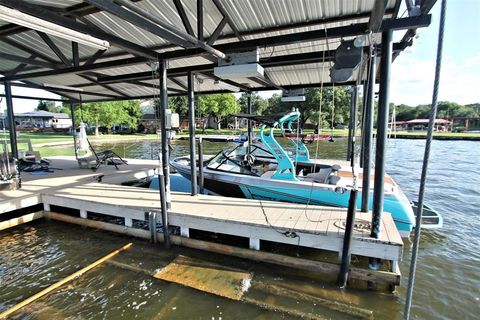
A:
(412, 72)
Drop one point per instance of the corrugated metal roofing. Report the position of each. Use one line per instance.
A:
(246, 16)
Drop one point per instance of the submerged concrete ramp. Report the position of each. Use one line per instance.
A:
(206, 276)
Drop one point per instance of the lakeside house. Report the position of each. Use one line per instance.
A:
(441, 125)
(40, 121)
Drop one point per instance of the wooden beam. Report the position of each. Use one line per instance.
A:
(262, 256)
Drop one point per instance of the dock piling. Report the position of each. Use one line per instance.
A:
(164, 208)
(366, 155)
(191, 131)
(382, 123)
(347, 240)
(200, 165)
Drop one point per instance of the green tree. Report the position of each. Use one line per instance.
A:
(107, 114)
(45, 106)
(218, 106)
(259, 104)
(179, 105)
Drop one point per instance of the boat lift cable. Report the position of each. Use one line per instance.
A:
(421, 192)
(319, 128)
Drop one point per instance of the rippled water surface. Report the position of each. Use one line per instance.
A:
(448, 275)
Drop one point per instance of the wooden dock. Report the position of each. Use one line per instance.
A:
(294, 224)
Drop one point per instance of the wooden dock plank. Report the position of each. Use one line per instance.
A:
(318, 227)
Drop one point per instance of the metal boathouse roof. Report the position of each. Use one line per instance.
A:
(296, 42)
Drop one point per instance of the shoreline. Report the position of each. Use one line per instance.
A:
(227, 137)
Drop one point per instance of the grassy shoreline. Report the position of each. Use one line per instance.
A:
(52, 144)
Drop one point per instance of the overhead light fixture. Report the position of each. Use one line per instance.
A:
(226, 86)
(31, 22)
(293, 99)
(60, 87)
(297, 95)
(239, 71)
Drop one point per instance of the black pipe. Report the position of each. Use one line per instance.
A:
(354, 124)
(152, 226)
(250, 123)
(12, 130)
(163, 205)
(350, 127)
(163, 128)
(382, 124)
(74, 130)
(11, 120)
(368, 131)
(362, 143)
(347, 239)
(191, 131)
(200, 165)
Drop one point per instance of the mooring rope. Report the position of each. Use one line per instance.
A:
(421, 192)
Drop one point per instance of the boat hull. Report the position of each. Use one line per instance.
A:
(252, 187)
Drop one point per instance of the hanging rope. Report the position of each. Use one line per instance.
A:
(421, 192)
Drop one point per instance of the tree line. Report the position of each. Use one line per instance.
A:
(328, 107)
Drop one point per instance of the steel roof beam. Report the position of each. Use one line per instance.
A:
(178, 83)
(377, 14)
(229, 20)
(111, 7)
(94, 57)
(171, 28)
(54, 48)
(35, 98)
(217, 31)
(51, 16)
(92, 79)
(37, 86)
(28, 61)
(183, 16)
(24, 48)
(200, 20)
(336, 32)
(75, 54)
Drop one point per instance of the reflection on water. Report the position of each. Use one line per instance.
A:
(448, 275)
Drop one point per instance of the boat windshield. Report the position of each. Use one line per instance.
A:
(234, 159)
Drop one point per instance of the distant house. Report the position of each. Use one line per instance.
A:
(42, 121)
(422, 125)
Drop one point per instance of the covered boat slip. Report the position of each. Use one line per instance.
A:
(294, 224)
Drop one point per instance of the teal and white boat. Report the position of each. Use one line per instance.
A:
(267, 171)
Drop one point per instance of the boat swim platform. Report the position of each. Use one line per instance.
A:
(315, 227)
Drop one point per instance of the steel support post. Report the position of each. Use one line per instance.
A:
(368, 132)
(200, 166)
(74, 130)
(382, 124)
(347, 240)
(191, 131)
(11, 120)
(163, 128)
(250, 122)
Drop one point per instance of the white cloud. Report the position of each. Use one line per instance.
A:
(25, 105)
(412, 80)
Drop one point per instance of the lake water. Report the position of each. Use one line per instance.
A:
(448, 275)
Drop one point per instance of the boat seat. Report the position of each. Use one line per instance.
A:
(320, 176)
(268, 174)
(334, 179)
